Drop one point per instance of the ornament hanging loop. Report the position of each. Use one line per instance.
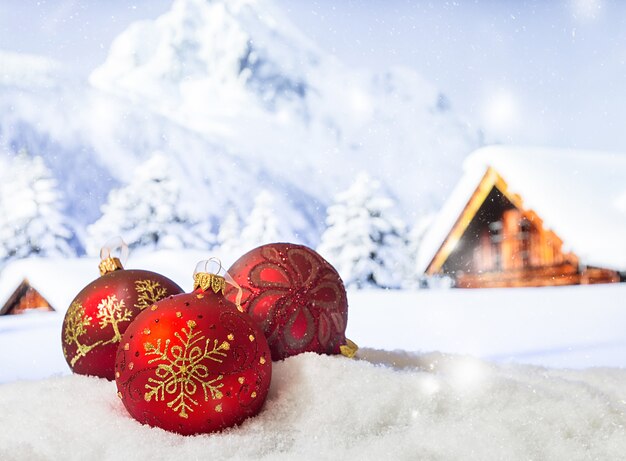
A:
(210, 274)
(212, 261)
(109, 262)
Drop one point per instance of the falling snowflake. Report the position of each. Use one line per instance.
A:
(182, 370)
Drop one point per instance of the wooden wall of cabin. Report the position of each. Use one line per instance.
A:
(25, 298)
(518, 241)
(504, 246)
(31, 300)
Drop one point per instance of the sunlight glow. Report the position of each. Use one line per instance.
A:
(361, 102)
(501, 112)
(468, 374)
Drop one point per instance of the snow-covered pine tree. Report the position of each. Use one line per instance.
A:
(31, 217)
(149, 212)
(261, 227)
(364, 241)
(413, 278)
(229, 233)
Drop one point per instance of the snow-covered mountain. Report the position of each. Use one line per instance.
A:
(240, 101)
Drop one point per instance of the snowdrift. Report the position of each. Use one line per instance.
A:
(382, 406)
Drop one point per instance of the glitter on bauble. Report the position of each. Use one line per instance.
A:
(194, 363)
(296, 297)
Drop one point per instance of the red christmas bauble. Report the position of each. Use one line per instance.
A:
(193, 363)
(296, 296)
(101, 312)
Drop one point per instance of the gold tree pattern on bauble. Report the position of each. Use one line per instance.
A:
(110, 313)
(75, 328)
(148, 292)
(182, 370)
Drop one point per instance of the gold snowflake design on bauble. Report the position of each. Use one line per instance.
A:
(181, 369)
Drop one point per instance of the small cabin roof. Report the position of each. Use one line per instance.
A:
(56, 280)
(59, 280)
(19, 292)
(579, 195)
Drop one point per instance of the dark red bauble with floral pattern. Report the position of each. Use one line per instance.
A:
(193, 363)
(297, 298)
(101, 312)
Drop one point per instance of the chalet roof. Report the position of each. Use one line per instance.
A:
(580, 195)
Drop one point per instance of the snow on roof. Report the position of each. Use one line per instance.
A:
(57, 280)
(580, 195)
(60, 280)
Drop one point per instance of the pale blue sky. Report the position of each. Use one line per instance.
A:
(529, 72)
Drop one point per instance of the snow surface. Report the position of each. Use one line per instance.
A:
(384, 405)
(572, 327)
(580, 195)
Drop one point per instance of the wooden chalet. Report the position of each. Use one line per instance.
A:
(43, 284)
(25, 298)
(494, 240)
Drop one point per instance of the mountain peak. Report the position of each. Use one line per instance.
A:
(242, 75)
(208, 47)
